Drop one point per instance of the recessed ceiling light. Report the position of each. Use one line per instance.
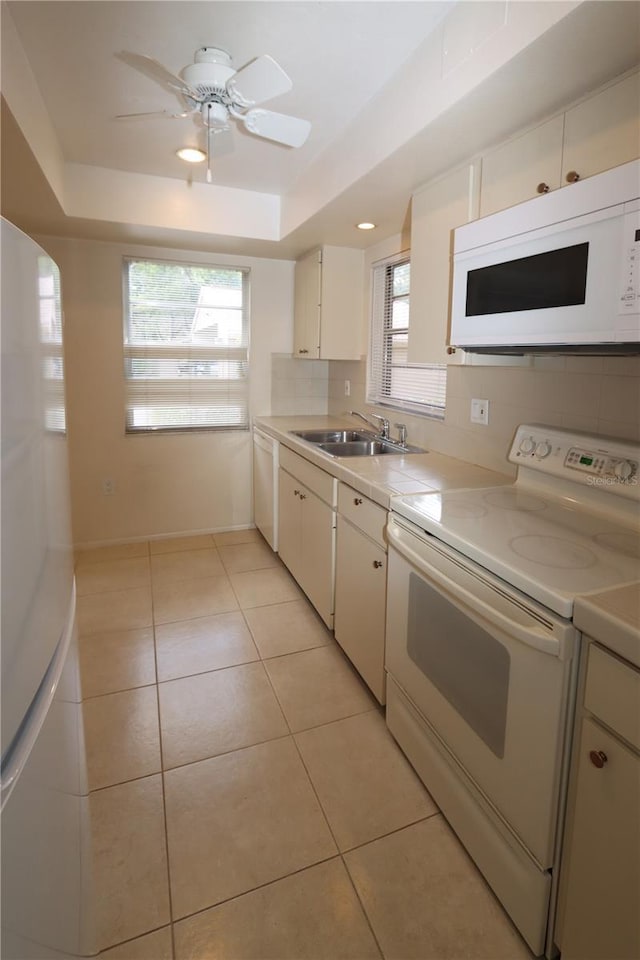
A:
(191, 155)
(366, 226)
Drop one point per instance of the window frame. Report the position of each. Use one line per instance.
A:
(208, 353)
(380, 355)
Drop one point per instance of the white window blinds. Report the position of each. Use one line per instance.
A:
(186, 342)
(393, 381)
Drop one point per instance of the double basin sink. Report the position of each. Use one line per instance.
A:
(353, 443)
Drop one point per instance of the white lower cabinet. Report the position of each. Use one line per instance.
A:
(599, 915)
(307, 529)
(361, 586)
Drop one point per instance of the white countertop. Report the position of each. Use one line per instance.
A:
(380, 478)
(613, 618)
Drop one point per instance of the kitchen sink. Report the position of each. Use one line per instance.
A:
(333, 436)
(353, 443)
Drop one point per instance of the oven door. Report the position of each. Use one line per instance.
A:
(490, 672)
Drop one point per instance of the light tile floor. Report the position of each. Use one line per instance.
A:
(247, 800)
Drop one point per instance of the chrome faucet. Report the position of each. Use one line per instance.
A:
(384, 423)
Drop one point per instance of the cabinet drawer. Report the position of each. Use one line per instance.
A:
(315, 479)
(363, 513)
(613, 693)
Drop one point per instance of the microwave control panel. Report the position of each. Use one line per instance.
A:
(580, 457)
(629, 294)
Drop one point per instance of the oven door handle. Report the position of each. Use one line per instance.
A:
(460, 596)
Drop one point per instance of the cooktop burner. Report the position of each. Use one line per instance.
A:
(553, 552)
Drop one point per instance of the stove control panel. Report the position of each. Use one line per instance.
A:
(601, 462)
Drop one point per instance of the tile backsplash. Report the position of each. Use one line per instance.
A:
(298, 386)
(594, 394)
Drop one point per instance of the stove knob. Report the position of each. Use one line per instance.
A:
(624, 469)
(543, 450)
(528, 445)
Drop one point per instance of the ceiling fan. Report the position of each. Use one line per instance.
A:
(214, 92)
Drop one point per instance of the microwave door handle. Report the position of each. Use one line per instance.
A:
(460, 596)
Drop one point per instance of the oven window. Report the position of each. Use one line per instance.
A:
(468, 666)
(557, 278)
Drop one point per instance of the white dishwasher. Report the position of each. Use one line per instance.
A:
(265, 486)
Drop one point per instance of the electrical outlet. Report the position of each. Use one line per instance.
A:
(347, 388)
(480, 411)
(108, 487)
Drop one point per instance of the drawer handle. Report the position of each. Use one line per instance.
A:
(598, 758)
(357, 501)
(303, 351)
(377, 564)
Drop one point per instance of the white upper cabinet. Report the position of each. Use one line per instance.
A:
(603, 131)
(435, 211)
(522, 168)
(595, 135)
(328, 305)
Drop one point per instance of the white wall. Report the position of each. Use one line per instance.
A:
(164, 483)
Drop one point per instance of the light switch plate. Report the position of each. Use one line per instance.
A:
(480, 411)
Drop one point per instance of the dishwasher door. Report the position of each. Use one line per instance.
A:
(265, 486)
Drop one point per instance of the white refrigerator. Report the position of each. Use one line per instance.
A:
(45, 839)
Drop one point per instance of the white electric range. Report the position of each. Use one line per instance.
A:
(482, 655)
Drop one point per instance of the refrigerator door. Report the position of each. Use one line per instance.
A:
(46, 856)
(37, 566)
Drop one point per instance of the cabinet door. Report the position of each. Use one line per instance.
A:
(361, 577)
(601, 916)
(289, 521)
(306, 327)
(342, 327)
(513, 172)
(435, 211)
(604, 131)
(317, 547)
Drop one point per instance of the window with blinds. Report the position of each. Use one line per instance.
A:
(50, 309)
(186, 345)
(392, 381)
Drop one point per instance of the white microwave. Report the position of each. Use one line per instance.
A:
(558, 274)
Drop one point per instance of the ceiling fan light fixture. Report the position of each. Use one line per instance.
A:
(365, 225)
(191, 154)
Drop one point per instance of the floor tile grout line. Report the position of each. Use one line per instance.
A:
(162, 780)
(260, 886)
(123, 943)
(333, 836)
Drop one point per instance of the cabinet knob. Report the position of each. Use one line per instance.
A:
(296, 493)
(303, 496)
(598, 758)
(543, 188)
(357, 501)
(451, 350)
(377, 564)
(573, 176)
(303, 351)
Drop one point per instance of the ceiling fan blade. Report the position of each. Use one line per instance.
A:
(260, 80)
(277, 126)
(154, 114)
(155, 71)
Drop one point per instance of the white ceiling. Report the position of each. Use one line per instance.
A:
(338, 55)
(397, 92)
